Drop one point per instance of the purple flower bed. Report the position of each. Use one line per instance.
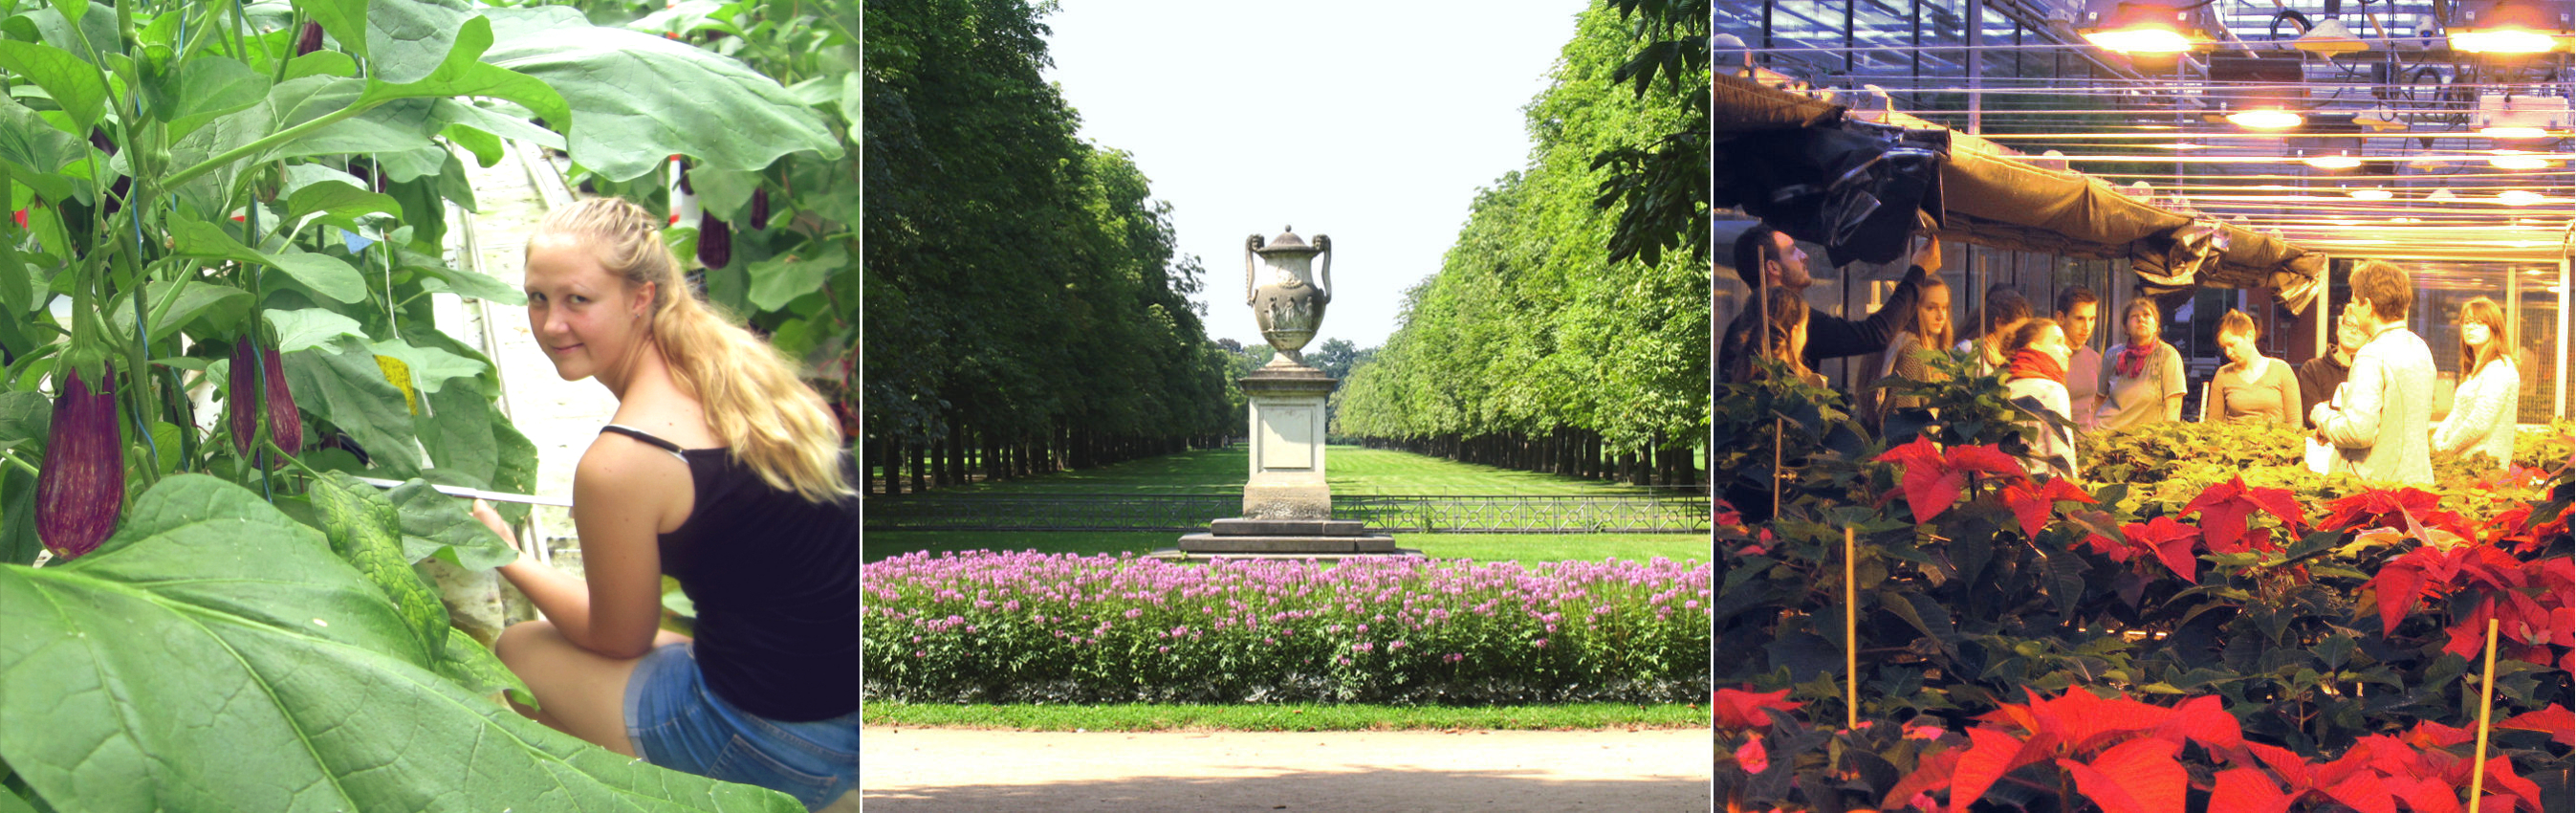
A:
(1030, 627)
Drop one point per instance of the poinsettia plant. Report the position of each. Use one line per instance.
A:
(2317, 613)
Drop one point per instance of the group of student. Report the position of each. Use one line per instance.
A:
(2367, 403)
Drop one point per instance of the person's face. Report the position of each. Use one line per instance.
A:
(1934, 310)
(2238, 347)
(2363, 316)
(2079, 323)
(2477, 334)
(586, 318)
(2347, 333)
(2053, 342)
(1790, 270)
(2142, 326)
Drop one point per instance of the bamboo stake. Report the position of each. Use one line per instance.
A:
(2486, 712)
(1851, 636)
(1775, 466)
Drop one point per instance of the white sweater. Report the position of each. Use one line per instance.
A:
(2482, 413)
(2054, 449)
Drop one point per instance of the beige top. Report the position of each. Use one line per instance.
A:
(2483, 413)
(2268, 396)
(2381, 419)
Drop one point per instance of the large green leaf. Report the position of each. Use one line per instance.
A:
(341, 382)
(434, 524)
(18, 542)
(207, 86)
(430, 366)
(325, 275)
(774, 283)
(459, 281)
(637, 98)
(310, 327)
(458, 432)
(315, 189)
(36, 150)
(72, 81)
(221, 305)
(460, 73)
(214, 655)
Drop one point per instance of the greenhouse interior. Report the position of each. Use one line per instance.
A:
(2215, 606)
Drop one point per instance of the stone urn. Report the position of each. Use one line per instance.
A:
(1288, 282)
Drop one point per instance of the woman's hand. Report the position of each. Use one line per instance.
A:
(492, 519)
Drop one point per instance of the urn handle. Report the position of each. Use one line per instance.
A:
(1324, 265)
(1250, 261)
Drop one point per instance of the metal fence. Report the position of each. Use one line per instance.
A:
(1408, 513)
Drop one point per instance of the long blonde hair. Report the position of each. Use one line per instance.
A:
(754, 402)
(2481, 311)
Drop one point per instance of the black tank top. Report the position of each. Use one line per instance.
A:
(776, 583)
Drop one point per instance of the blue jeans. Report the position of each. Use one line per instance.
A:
(676, 723)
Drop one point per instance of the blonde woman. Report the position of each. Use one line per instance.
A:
(722, 469)
(2251, 387)
(2490, 394)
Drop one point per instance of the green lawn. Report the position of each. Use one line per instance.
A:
(1288, 717)
(1523, 547)
(1351, 470)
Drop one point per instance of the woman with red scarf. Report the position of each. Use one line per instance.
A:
(2035, 381)
(2142, 379)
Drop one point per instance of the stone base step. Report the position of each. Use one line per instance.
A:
(1185, 557)
(1288, 527)
(1212, 543)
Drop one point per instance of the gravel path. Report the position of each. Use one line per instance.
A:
(908, 770)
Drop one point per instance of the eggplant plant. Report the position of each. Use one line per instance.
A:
(246, 202)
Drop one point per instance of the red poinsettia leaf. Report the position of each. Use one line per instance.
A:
(2428, 795)
(2203, 720)
(2029, 505)
(2062, 489)
(2083, 720)
(1987, 760)
(2290, 766)
(2176, 554)
(2471, 632)
(1930, 490)
(2557, 720)
(2364, 792)
(2249, 791)
(1983, 460)
(1909, 455)
(2500, 775)
(1738, 709)
(2390, 756)
(2138, 776)
(2429, 734)
(2399, 585)
(2215, 494)
(1931, 773)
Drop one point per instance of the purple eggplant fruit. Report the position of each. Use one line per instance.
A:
(285, 424)
(715, 241)
(759, 209)
(81, 489)
(310, 40)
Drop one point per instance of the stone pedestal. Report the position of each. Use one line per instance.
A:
(1287, 443)
(1287, 508)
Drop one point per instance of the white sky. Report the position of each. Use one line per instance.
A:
(1372, 122)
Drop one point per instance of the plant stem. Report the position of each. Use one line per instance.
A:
(273, 139)
(13, 458)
